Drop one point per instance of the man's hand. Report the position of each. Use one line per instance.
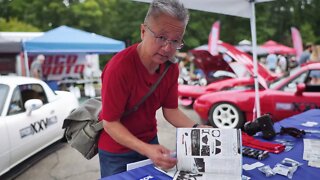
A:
(160, 156)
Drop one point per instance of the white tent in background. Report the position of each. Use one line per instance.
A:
(241, 8)
(244, 42)
(246, 46)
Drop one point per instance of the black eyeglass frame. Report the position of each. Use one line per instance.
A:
(163, 41)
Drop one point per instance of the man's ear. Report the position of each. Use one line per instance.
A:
(142, 31)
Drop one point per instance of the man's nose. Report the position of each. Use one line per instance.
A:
(168, 45)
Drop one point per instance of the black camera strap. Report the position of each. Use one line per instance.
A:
(294, 132)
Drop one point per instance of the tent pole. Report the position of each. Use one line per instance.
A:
(255, 61)
(26, 60)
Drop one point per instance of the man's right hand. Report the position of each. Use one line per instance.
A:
(160, 156)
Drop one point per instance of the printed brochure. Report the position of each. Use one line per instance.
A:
(208, 153)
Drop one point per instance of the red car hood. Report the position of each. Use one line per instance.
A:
(208, 63)
(211, 63)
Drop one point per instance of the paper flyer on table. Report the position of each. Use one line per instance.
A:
(208, 153)
(311, 152)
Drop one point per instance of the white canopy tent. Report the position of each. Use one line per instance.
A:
(240, 8)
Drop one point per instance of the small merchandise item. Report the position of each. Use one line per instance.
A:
(266, 170)
(309, 124)
(291, 162)
(255, 165)
(284, 170)
(254, 153)
(243, 177)
(250, 141)
(263, 124)
(288, 143)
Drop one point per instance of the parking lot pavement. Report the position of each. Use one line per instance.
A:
(68, 164)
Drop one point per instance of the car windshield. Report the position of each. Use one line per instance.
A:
(280, 80)
(4, 89)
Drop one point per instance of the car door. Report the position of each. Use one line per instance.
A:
(46, 117)
(287, 102)
(4, 135)
(27, 132)
(5, 146)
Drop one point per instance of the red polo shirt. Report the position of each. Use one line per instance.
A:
(125, 81)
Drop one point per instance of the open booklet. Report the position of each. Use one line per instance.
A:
(208, 153)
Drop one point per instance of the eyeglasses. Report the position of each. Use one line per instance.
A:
(163, 41)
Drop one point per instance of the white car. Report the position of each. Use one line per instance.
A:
(31, 118)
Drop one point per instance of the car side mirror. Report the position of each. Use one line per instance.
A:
(32, 104)
(301, 87)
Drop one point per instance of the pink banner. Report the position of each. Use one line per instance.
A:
(214, 38)
(297, 41)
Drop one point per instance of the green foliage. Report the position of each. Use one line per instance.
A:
(86, 14)
(103, 59)
(16, 26)
(307, 34)
(121, 19)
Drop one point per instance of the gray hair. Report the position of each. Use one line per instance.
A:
(173, 8)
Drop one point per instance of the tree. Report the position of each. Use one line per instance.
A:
(121, 19)
(16, 26)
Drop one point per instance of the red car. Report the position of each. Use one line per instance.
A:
(290, 95)
(238, 73)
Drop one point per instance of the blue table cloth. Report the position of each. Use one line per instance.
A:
(303, 172)
(147, 172)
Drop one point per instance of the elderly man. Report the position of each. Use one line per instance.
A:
(128, 77)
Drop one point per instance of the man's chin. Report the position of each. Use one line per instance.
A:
(161, 60)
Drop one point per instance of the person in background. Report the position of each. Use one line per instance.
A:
(282, 63)
(305, 56)
(315, 55)
(272, 62)
(36, 67)
(88, 76)
(315, 77)
(184, 65)
(127, 77)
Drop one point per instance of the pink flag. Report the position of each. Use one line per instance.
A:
(297, 41)
(214, 38)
